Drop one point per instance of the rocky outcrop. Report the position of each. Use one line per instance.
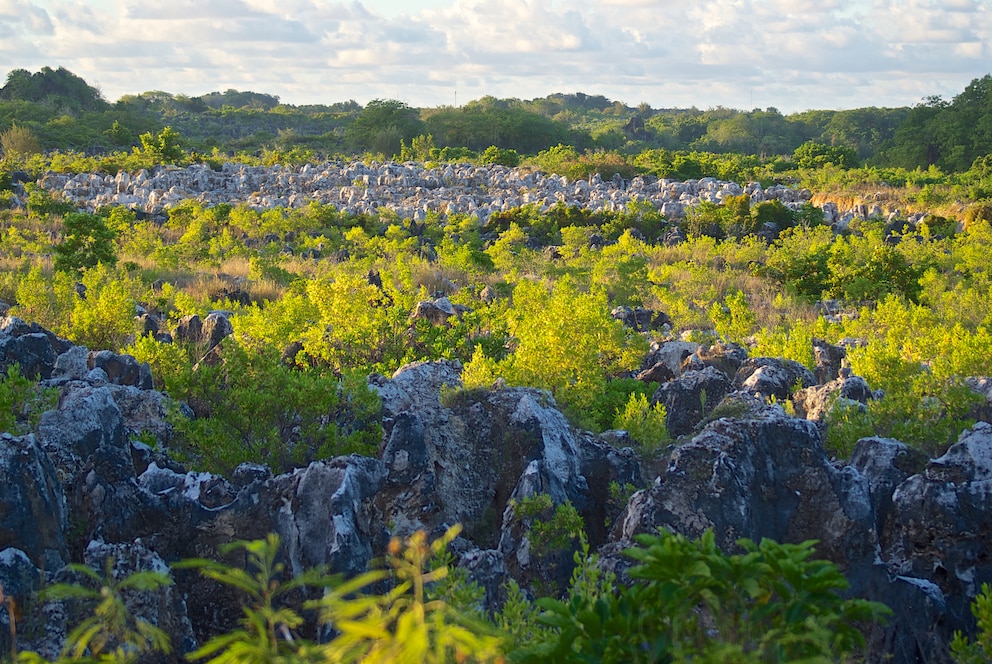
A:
(409, 189)
(908, 531)
(764, 476)
(691, 397)
(940, 526)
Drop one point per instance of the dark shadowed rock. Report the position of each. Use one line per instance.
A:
(940, 527)
(814, 403)
(690, 398)
(829, 360)
(725, 357)
(670, 353)
(641, 319)
(164, 607)
(121, 369)
(766, 476)
(886, 463)
(33, 514)
(658, 373)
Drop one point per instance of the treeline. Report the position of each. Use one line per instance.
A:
(64, 112)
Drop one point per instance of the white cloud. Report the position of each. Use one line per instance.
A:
(792, 54)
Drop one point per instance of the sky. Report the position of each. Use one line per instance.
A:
(792, 55)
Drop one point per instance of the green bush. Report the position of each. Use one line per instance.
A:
(22, 401)
(978, 651)
(252, 407)
(691, 602)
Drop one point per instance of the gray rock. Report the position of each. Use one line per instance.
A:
(940, 527)
(772, 377)
(690, 398)
(33, 512)
(765, 476)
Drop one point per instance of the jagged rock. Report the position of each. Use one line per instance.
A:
(33, 348)
(765, 476)
(690, 398)
(982, 386)
(86, 419)
(770, 376)
(886, 463)
(815, 402)
(640, 319)
(216, 327)
(33, 514)
(658, 373)
(121, 369)
(487, 568)
(940, 527)
(164, 607)
(829, 360)
(189, 329)
(670, 353)
(19, 580)
(436, 312)
(725, 357)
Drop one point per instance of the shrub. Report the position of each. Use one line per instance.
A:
(252, 407)
(978, 651)
(645, 423)
(692, 602)
(22, 401)
(86, 242)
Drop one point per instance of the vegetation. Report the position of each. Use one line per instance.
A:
(689, 601)
(534, 290)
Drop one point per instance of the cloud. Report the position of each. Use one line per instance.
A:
(792, 54)
(18, 16)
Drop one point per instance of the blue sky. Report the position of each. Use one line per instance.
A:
(790, 54)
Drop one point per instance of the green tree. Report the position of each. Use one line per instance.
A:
(382, 124)
(816, 155)
(86, 242)
(164, 146)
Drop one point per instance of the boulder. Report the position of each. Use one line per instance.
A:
(670, 353)
(764, 476)
(940, 526)
(723, 356)
(33, 512)
(829, 360)
(814, 403)
(690, 398)
(121, 369)
(769, 376)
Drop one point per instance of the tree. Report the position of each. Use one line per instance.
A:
(164, 147)
(19, 141)
(816, 155)
(86, 242)
(382, 124)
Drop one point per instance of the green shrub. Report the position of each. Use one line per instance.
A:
(978, 651)
(86, 242)
(252, 407)
(691, 602)
(645, 423)
(22, 401)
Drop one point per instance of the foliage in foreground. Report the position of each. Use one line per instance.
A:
(689, 601)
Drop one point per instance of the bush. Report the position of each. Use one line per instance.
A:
(252, 407)
(691, 602)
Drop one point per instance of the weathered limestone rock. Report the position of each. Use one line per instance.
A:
(33, 514)
(690, 398)
(815, 402)
(765, 476)
(772, 376)
(940, 527)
